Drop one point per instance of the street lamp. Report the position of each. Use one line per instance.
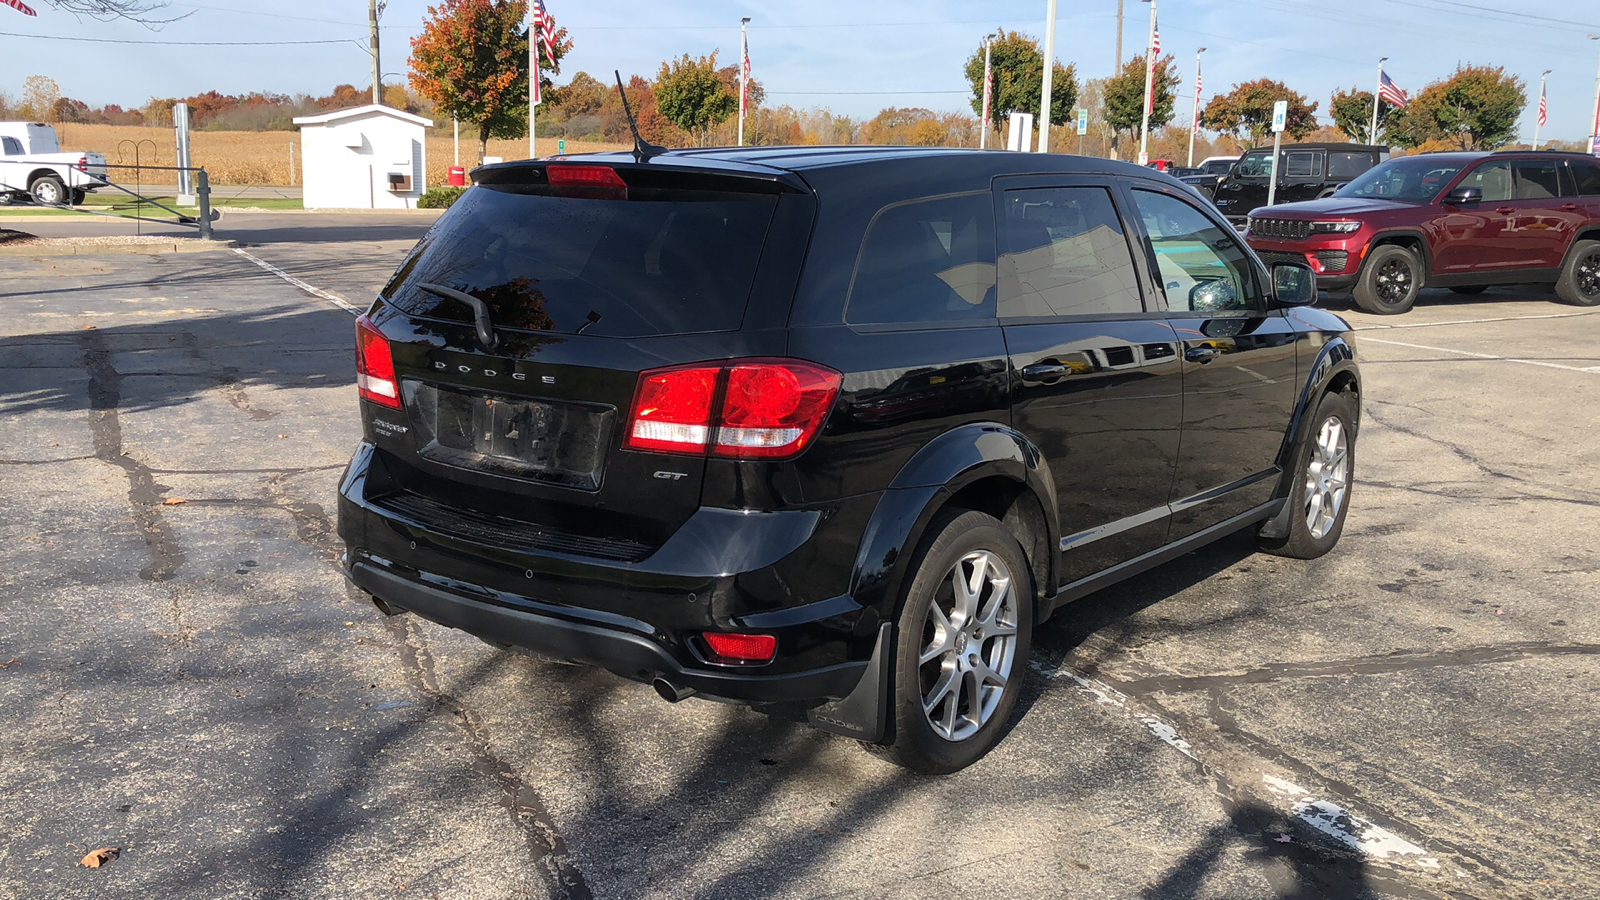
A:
(1538, 118)
(1194, 123)
(1372, 135)
(1049, 72)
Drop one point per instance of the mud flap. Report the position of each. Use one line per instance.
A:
(860, 714)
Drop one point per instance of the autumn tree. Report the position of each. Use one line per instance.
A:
(1018, 71)
(691, 96)
(141, 11)
(1124, 95)
(39, 96)
(1474, 109)
(918, 127)
(471, 60)
(1351, 112)
(1247, 110)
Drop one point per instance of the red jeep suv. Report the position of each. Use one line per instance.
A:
(1464, 221)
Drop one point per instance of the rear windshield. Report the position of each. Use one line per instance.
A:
(658, 262)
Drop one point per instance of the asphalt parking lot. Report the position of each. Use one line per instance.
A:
(185, 676)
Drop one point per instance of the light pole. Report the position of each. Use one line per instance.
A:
(1149, 86)
(1596, 130)
(1049, 71)
(1194, 124)
(744, 77)
(1538, 118)
(1372, 135)
(988, 92)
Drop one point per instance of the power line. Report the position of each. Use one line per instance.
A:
(89, 40)
(1513, 15)
(754, 27)
(868, 93)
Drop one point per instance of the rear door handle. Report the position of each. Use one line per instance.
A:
(1505, 210)
(1201, 355)
(1569, 207)
(1042, 373)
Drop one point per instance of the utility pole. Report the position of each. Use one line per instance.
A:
(1049, 70)
(1194, 124)
(1538, 119)
(1149, 86)
(373, 8)
(1372, 136)
(988, 92)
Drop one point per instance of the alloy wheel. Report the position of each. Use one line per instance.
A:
(1327, 478)
(1588, 274)
(1394, 282)
(969, 646)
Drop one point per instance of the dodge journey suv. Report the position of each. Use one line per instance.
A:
(830, 431)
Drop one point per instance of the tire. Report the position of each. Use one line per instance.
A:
(78, 196)
(47, 190)
(1389, 282)
(1580, 277)
(1471, 291)
(1323, 464)
(955, 731)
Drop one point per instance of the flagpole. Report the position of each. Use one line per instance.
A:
(1194, 124)
(1149, 88)
(533, 77)
(1049, 73)
(744, 80)
(1372, 135)
(988, 82)
(1538, 119)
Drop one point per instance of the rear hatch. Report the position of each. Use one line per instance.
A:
(519, 327)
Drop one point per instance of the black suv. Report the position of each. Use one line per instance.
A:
(1305, 172)
(830, 429)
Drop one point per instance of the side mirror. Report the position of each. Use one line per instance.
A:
(1461, 196)
(1293, 284)
(1214, 296)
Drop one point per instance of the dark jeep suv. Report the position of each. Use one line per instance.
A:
(830, 429)
(1305, 172)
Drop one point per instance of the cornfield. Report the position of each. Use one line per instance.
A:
(262, 157)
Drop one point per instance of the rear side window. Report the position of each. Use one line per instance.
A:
(1538, 179)
(1302, 164)
(1065, 254)
(658, 262)
(926, 261)
(1346, 165)
(1493, 178)
(1587, 176)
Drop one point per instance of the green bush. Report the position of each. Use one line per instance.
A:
(439, 197)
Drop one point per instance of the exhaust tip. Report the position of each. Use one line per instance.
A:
(670, 692)
(385, 608)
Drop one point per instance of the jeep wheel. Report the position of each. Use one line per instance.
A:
(49, 191)
(964, 635)
(1320, 497)
(1470, 291)
(1389, 281)
(1580, 277)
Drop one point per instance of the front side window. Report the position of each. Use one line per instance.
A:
(1201, 264)
(1065, 254)
(1302, 164)
(1493, 178)
(1255, 164)
(1538, 179)
(926, 261)
(1410, 179)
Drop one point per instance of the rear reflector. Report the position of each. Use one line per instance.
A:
(83, 164)
(375, 378)
(769, 408)
(740, 648)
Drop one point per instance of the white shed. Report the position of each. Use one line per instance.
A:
(366, 157)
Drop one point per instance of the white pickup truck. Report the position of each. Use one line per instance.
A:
(31, 163)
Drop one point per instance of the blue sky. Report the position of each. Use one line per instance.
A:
(853, 57)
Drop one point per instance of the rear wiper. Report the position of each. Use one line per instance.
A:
(480, 312)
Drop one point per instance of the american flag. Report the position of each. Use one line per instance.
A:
(744, 75)
(1197, 97)
(1150, 66)
(1155, 41)
(20, 7)
(1541, 103)
(542, 28)
(1391, 93)
(547, 27)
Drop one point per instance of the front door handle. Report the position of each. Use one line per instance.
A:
(1201, 355)
(1045, 373)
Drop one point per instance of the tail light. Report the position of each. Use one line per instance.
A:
(83, 164)
(586, 181)
(728, 647)
(750, 408)
(375, 378)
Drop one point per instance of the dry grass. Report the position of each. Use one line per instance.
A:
(262, 157)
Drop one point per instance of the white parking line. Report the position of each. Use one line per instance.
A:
(1588, 370)
(311, 289)
(1475, 321)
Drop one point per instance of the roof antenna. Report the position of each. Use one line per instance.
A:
(642, 149)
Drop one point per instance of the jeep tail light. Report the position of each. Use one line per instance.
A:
(672, 410)
(748, 408)
(586, 181)
(773, 407)
(375, 377)
(729, 647)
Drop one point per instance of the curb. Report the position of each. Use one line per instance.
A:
(186, 246)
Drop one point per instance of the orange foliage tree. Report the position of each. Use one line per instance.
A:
(471, 60)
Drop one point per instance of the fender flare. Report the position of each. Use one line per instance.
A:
(1336, 357)
(1427, 251)
(926, 482)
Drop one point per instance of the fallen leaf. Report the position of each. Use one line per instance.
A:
(88, 328)
(10, 662)
(282, 436)
(1284, 839)
(100, 857)
(173, 501)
